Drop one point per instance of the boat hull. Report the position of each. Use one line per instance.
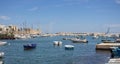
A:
(29, 46)
(76, 41)
(69, 47)
(1, 54)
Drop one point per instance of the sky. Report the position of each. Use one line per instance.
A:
(62, 15)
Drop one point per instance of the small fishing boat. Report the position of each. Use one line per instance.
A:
(1, 62)
(2, 43)
(108, 41)
(118, 40)
(57, 43)
(115, 52)
(69, 47)
(64, 38)
(29, 46)
(1, 54)
(79, 40)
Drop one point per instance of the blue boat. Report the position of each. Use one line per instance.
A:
(29, 46)
(115, 52)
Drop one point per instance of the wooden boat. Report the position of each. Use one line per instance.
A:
(29, 46)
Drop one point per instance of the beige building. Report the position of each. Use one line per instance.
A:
(28, 31)
(3, 28)
(15, 30)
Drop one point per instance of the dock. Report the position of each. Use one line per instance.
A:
(114, 61)
(106, 46)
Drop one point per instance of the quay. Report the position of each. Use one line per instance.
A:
(106, 46)
(114, 61)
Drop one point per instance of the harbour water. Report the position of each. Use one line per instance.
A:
(47, 53)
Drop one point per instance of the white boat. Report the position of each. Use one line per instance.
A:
(2, 43)
(69, 47)
(1, 62)
(108, 41)
(1, 54)
(22, 36)
(75, 40)
(118, 40)
(57, 43)
(95, 37)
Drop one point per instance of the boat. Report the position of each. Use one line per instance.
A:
(69, 47)
(57, 43)
(108, 41)
(115, 52)
(1, 62)
(118, 40)
(64, 38)
(22, 36)
(29, 46)
(2, 43)
(75, 40)
(1, 54)
(95, 37)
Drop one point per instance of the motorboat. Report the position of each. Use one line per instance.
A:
(57, 43)
(115, 52)
(1, 54)
(2, 43)
(108, 41)
(29, 46)
(69, 47)
(118, 40)
(79, 40)
(22, 36)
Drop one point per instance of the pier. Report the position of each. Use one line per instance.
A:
(106, 46)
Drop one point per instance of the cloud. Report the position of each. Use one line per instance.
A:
(33, 9)
(4, 17)
(117, 1)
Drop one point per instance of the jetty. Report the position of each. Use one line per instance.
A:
(114, 61)
(106, 46)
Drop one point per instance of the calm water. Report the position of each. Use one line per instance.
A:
(47, 53)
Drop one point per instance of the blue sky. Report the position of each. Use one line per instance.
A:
(62, 15)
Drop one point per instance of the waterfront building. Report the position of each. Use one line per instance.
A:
(28, 31)
(3, 29)
(12, 29)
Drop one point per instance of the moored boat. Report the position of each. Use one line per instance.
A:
(57, 43)
(1, 54)
(108, 41)
(69, 47)
(29, 46)
(2, 43)
(79, 40)
(118, 40)
(115, 52)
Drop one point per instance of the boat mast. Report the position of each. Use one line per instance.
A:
(108, 30)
